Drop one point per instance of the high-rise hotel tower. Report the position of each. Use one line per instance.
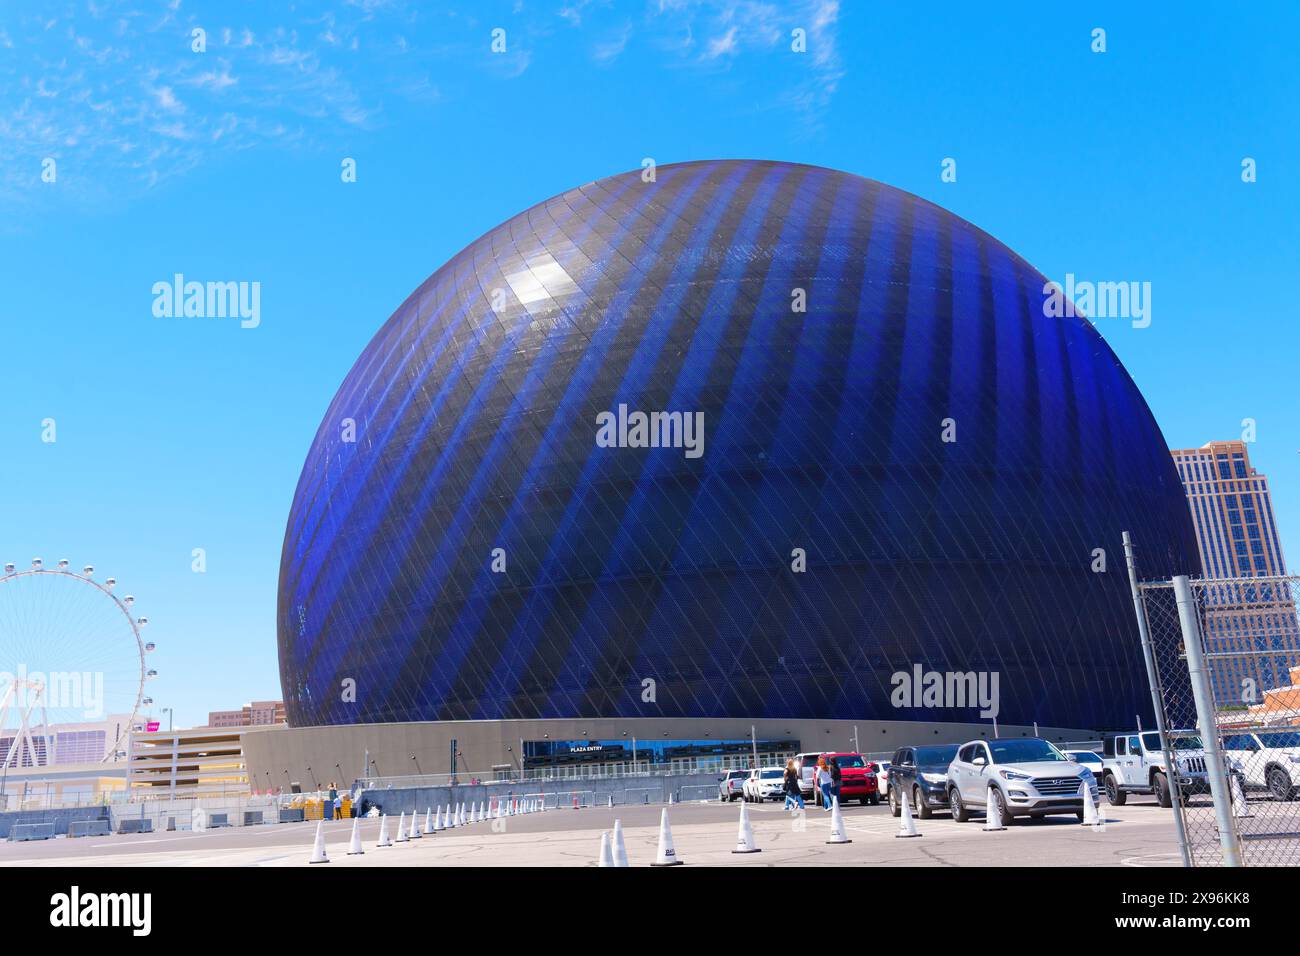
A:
(1251, 623)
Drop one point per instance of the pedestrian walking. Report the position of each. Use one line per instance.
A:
(822, 780)
(793, 794)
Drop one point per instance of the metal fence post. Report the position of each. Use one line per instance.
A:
(1209, 728)
(1153, 681)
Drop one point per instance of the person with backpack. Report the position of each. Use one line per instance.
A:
(835, 775)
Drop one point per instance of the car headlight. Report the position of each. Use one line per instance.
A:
(934, 778)
(1013, 775)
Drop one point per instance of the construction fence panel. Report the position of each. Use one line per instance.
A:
(1244, 657)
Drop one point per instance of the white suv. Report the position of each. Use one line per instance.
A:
(765, 783)
(1023, 776)
(1266, 758)
(1134, 762)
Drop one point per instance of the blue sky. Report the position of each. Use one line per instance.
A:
(180, 434)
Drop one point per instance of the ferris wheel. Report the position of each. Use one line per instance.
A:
(71, 652)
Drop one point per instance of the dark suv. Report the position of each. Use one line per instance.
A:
(923, 773)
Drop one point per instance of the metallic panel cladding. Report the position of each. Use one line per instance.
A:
(475, 429)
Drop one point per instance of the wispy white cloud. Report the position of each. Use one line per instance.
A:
(611, 47)
(721, 45)
(118, 97)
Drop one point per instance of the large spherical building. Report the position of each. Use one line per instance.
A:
(879, 454)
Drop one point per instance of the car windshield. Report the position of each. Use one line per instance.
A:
(737, 774)
(1086, 756)
(773, 774)
(1023, 751)
(1280, 740)
(850, 760)
(1151, 742)
(934, 756)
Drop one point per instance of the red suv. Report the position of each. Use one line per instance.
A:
(857, 779)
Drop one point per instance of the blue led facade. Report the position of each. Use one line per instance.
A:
(470, 424)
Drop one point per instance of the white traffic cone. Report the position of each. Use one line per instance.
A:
(745, 834)
(907, 825)
(1240, 808)
(611, 802)
(1091, 818)
(838, 833)
(414, 832)
(401, 828)
(620, 848)
(482, 813)
(383, 831)
(354, 848)
(667, 855)
(428, 820)
(318, 850)
(992, 821)
(606, 858)
(437, 821)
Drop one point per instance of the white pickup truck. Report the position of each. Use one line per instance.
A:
(1134, 762)
(1265, 758)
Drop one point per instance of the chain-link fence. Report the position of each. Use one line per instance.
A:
(1225, 668)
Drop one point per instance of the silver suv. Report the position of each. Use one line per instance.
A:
(1024, 776)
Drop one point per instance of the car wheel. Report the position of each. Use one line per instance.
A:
(959, 811)
(1161, 788)
(1000, 808)
(895, 803)
(1079, 815)
(1279, 784)
(922, 808)
(1114, 795)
